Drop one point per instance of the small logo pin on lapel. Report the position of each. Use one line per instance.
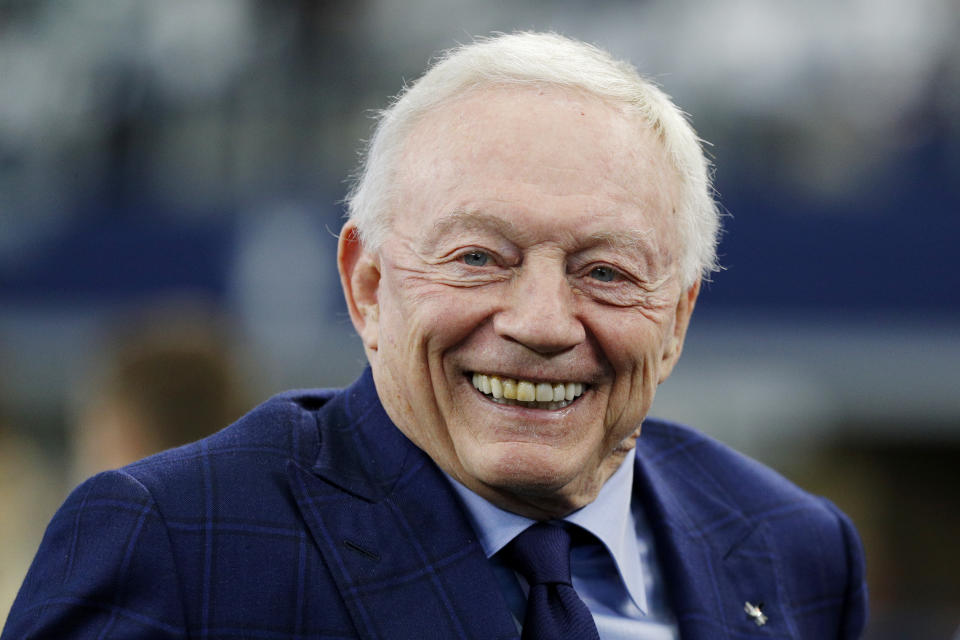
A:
(756, 613)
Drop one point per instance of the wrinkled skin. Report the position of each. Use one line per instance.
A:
(532, 236)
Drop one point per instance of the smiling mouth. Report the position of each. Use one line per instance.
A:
(525, 393)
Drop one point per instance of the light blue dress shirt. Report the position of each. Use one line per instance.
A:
(619, 580)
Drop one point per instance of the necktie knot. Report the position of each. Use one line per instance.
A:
(542, 554)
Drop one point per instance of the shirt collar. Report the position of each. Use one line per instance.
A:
(609, 517)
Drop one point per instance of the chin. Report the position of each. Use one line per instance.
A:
(529, 470)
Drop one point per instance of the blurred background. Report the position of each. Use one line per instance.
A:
(170, 184)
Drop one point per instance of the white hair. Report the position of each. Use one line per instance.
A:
(541, 59)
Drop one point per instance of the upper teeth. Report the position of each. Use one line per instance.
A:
(526, 391)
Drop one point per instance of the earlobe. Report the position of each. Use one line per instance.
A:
(360, 279)
(681, 320)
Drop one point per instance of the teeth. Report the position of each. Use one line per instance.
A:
(526, 392)
(541, 395)
(544, 392)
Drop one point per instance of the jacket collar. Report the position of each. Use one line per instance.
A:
(361, 451)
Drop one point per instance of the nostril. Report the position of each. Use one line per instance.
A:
(544, 333)
(542, 336)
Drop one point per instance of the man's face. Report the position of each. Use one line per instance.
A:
(532, 254)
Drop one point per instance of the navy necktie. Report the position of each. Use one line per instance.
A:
(554, 610)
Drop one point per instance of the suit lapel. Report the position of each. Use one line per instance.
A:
(392, 532)
(714, 558)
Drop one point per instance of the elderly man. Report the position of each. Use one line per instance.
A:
(524, 251)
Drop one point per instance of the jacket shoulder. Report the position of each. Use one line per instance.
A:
(686, 454)
(180, 540)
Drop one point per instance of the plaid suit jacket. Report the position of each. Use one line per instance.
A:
(314, 517)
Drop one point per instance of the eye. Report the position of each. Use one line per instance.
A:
(603, 273)
(475, 258)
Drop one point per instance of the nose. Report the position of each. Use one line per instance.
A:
(539, 310)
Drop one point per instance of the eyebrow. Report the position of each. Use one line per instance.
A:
(463, 219)
(624, 241)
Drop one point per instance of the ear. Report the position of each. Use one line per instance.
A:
(673, 346)
(360, 279)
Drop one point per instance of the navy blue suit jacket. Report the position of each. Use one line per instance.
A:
(314, 517)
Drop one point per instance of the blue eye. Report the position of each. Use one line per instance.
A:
(476, 258)
(603, 274)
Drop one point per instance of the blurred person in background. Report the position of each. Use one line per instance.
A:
(525, 249)
(169, 376)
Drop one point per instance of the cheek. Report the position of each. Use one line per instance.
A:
(423, 319)
(450, 312)
(634, 350)
(632, 344)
